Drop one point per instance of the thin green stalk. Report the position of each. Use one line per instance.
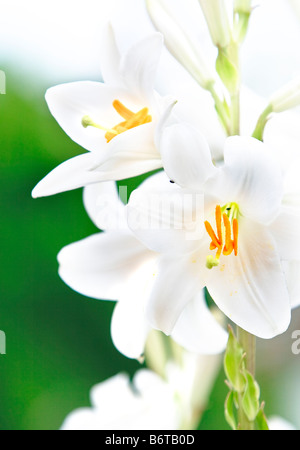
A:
(248, 343)
(258, 133)
(221, 108)
(235, 113)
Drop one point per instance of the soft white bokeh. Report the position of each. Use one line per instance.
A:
(57, 38)
(60, 39)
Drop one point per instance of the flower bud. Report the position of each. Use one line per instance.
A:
(218, 21)
(179, 44)
(287, 97)
(242, 6)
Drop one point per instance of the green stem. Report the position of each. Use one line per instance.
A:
(248, 342)
(221, 108)
(235, 113)
(258, 133)
(244, 423)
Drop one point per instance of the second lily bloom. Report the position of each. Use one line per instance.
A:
(249, 240)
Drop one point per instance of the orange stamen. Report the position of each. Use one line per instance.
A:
(122, 110)
(235, 228)
(212, 235)
(219, 223)
(132, 120)
(228, 248)
(217, 240)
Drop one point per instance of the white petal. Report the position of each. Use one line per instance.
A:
(198, 331)
(177, 283)
(282, 132)
(291, 176)
(159, 403)
(285, 230)
(104, 393)
(250, 288)
(166, 219)
(110, 57)
(83, 419)
(251, 178)
(148, 404)
(186, 156)
(129, 326)
(100, 265)
(279, 424)
(196, 107)
(145, 404)
(140, 64)
(104, 206)
(129, 329)
(129, 154)
(70, 102)
(292, 276)
(71, 174)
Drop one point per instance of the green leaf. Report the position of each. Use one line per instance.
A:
(251, 396)
(234, 363)
(261, 423)
(227, 71)
(230, 414)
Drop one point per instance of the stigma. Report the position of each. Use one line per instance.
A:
(131, 120)
(225, 239)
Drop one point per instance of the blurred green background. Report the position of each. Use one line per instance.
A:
(58, 342)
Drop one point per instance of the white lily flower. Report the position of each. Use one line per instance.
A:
(115, 120)
(150, 402)
(117, 404)
(115, 265)
(250, 225)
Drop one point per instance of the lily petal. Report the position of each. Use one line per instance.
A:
(129, 154)
(139, 66)
(104, 207)
(177, 283)
(71, 174)
(186, 156)
(250, 289)
(110, 57)
(166, 218)
(251, 178)
(70, 102)
(198, 331)
(291, 271)
(129, 326)
(100, 265)
(286, 231)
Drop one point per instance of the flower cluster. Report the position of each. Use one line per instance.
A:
(218, 219)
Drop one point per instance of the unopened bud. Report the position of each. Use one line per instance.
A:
(179, 44)
(243, 6)
(287, 97)
(217, 19)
